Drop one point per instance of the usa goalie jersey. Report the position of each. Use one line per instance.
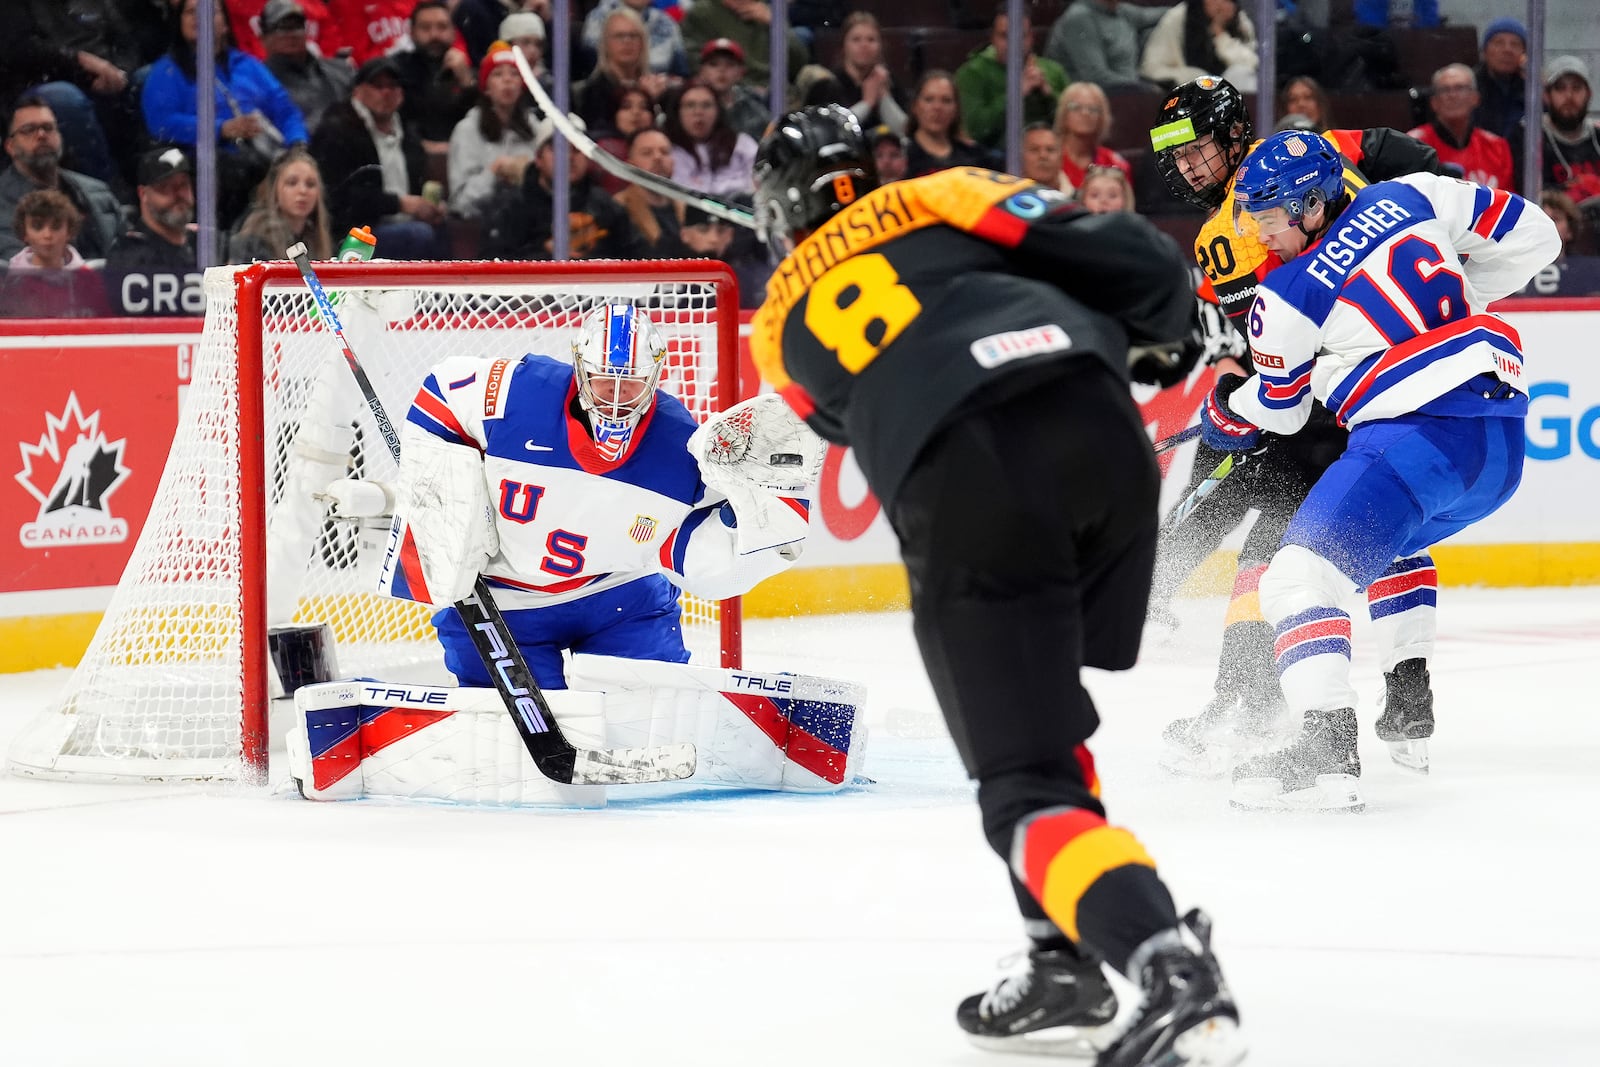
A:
(1385, 314)
(569, 523)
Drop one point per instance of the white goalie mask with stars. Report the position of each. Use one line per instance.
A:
(617, 360)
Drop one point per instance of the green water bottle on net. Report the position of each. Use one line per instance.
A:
(357, 247)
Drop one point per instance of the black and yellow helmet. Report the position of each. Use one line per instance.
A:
(811, 164)
(1192, 110)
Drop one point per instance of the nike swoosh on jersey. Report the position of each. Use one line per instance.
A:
(531, 447)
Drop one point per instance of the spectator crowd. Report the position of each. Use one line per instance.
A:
(410, 117)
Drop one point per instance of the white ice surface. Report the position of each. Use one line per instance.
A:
(1453, 923)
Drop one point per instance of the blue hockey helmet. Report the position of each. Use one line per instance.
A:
(1286, 177)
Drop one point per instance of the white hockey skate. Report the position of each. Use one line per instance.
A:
(1319, 772)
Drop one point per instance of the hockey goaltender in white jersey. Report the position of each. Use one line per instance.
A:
(587, 498)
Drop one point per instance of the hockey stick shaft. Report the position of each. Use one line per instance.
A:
(555, 757)
(1208, 485)
(621, 168)
(1167, 444)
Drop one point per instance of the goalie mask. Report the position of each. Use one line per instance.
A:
(617, 362)
(811, 164)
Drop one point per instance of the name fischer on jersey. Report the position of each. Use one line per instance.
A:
(1362, 230)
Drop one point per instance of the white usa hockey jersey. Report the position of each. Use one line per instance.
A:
(1385, 314)
(570, 523)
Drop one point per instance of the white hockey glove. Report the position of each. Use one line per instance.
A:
(443, 521)
(759, 444)
(753, 453)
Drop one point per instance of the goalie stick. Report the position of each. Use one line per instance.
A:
(621, 168)
(555, 757)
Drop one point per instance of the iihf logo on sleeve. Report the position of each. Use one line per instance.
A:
(72, 483)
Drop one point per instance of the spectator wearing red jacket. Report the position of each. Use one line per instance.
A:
(1483, 157)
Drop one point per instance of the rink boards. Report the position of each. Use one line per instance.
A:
(117, 384)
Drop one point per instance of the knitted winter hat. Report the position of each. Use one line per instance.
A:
(499, 53)
(1504, 25)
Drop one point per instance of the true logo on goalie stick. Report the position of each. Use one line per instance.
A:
(71, 472)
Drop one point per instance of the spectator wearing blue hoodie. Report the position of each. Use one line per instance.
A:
(256, 118)
(1422, 14)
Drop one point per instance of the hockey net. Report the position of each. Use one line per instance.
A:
(176, 682)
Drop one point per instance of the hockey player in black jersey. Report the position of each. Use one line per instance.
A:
(1202, 135)
(967, 333)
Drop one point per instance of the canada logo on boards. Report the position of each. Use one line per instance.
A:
(72, 472)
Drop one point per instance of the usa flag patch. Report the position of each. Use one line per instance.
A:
(644, 528)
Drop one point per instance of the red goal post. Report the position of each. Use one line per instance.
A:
(176, 682)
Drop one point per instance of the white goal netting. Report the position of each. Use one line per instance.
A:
(174, 683)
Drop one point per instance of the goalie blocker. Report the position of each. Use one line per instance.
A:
(752, 730)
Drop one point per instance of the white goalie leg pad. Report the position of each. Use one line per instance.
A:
(416, 742)
(791, 732)
(443, 532)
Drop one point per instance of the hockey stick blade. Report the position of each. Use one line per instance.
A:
(1167, 444)
(620, 168)
(1208, 485)
(555, 757)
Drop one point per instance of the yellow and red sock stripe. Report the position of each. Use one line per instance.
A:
(1061, 853)
(1246, 603)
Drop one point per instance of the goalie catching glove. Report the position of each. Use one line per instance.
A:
(757, 453)
(759, 444)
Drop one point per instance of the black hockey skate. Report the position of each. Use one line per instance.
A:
(1320, 771)
(1229, 729)
(1407, 719)
(1188, 1018)
(1059, 1006)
